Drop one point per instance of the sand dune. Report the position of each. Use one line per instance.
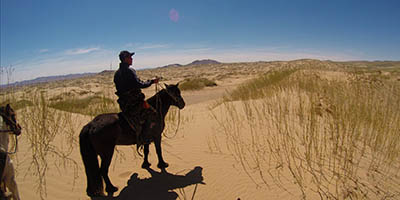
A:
(198, 170)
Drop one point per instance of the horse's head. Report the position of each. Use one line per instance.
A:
(175, 94)
(9, 117)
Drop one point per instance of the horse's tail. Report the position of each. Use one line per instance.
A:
(91, 163)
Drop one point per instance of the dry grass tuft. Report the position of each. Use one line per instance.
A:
(337, 139)
(42, 127)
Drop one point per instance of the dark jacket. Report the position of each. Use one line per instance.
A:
(125, 80)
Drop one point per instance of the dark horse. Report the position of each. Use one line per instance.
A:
(100, 136)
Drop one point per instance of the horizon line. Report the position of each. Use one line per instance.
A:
(183, 65)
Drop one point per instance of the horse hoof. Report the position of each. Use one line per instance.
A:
(110, 194)
(96, 194)
(111, 190)
(146, 165)
(162, 165)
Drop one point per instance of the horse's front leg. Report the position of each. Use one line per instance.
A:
(161, 163)
(146, 163)
(10, 179)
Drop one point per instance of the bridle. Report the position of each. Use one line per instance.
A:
(8, 122)
(166, 90)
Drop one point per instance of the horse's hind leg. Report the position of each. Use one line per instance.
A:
(105, 164)
(146, 163)
(161, 163)
(9, 179)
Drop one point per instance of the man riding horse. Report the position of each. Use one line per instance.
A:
(135, 109)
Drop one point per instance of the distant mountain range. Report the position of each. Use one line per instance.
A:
(47, 79)
(204, 62)
(172, 65)
(72, 76)
(196, 62)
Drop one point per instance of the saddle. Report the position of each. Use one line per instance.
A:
(125, 122)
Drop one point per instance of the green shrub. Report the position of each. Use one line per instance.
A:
(20, 104)
(196, 84)
(92, 105)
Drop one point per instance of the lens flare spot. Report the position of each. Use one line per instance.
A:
(174, 15)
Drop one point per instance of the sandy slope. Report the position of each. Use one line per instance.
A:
(194, 171)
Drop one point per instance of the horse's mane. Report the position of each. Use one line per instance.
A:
(152, 100)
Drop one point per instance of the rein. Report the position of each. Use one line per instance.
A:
(179, 111)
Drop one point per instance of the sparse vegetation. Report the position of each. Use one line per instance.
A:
(332, 138)
(41, 126)
(92, 105)
(196, 84)
(19, 104)
(175, 122)
(338, 139)
(257, 87)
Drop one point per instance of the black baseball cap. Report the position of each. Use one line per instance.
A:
(124, 54)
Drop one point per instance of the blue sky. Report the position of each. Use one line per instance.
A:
(53, 37)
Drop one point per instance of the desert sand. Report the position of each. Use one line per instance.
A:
(215, 176)
(197, 169)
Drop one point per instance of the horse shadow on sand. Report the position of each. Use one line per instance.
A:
(159, 186)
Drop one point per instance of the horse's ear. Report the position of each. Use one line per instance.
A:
(178, 84)
(166, 85)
